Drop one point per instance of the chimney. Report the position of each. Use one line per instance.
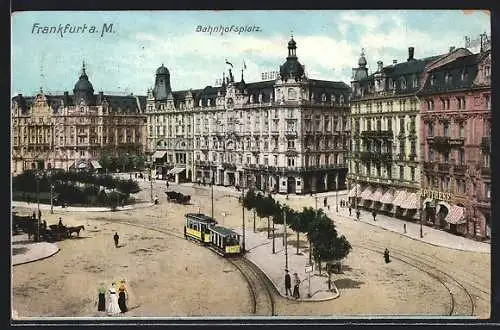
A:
(394, 61)
(380, 66)
(411, 51)
(452, 48)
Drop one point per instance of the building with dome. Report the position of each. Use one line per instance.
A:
(72, 130)
(288, 135)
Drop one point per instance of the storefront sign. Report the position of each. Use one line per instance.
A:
(434, 194)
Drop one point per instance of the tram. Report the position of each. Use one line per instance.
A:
(196, 226)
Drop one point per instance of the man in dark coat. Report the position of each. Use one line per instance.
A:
(374, 213)
(288, 283)
(116, 238)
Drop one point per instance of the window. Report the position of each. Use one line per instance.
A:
(446, 129)
(341, 99)
(414, 82)
(487, 101)
(461, 130)
(412, 171)
(413, 148)
(291, 144)
(401, 173)
(446, 157)
(461, 156)
(486, 160)
(391, 83)
(487, 190)
(401, 125)
(431, 155)
(291, 161)
(292, 94)
(464, 74)
(323, 97)
(447, 78)
(433, 80)
(389, 124)
(403, 83)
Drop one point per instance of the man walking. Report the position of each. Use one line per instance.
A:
(116, 238)
(350, 211)
(325, 202)
(288, 283)
(374, 213)
(296, 293)
(358, 214)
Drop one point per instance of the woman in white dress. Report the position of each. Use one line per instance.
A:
(113, 307)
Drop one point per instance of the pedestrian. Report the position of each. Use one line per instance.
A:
(386, 256)
(374, 213)
(60, 224)
(288, 283)
(44, 224)
(116, 238)
(113, 307)
(101, 303)
(167, 183)
(39, 214)
(404, 227)
(122, 296)
(296, 293)
(34, 215)
(325, 201)
(358, 214)
(350, 211)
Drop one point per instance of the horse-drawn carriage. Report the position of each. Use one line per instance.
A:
(177, 197)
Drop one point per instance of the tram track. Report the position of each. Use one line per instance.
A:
(461, 301)
(261, 292)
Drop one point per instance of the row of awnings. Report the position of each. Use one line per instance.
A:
(403, 199)
(159, 154)
(176, 170)
(83, 165)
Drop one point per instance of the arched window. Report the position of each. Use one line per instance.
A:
(292, 95)
(323, 97)
(403, 83)
(447, 78)
(341, 99)
(414, 81)
(464, 74)
(433, 80)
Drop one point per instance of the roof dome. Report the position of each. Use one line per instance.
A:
(83, 84)
(292, 67)
(162, 70)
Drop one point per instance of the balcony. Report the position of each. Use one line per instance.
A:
(376, 157)
(445, 143)
(291, 133)
(486, 144)
(378, 134)
(429, 166)
(460, 169)
(412, 157)
(444, 168)
(401, 157)
(486, 171)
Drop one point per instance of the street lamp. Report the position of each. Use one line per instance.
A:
(336, 192)
(51, 199)
(286, 241)
(243, 217)
(38, 177)
(421, 214)
(151, 180)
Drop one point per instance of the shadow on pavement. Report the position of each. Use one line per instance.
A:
(347, 283)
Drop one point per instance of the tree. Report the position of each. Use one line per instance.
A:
(123, 161)
(249, 202)
(106, 160)
(299, 222)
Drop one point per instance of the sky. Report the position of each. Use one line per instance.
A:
(124, 60)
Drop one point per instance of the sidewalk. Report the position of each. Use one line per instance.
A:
(259, 252)
(80, 209)
(430, 235)
(24, 250)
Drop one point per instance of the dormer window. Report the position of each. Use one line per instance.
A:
(323, 97)
(333, 98)
(414, 82)
(433, 80)
(391, 83)
(341, 99)
(447, 78)
(487, 71)
(403, 83)
(292, 95)
(464, 75)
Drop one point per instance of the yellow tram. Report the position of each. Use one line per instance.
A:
(196, 226)
(225, 240)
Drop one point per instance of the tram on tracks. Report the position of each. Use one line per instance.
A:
(204, 230)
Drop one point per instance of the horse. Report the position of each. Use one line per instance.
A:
(76, 230)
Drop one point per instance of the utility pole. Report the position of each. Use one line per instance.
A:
(336, 192)
(38, 205)
(284, 235)
(151, 181)
(243, 213)
(274, 246)
(421, 214)
(51, 199)
(212, 193)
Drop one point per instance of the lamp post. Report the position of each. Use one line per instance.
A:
(421, 214)
(212, 193)
(51, 199)
(151, 180)
(286, 241)
(38, 206)
(243, 217)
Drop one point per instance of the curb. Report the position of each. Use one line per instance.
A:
(413, 238)
(37, 259)
(80, 209)
(300, 299)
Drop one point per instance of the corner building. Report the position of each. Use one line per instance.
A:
(456, 144)
(71, 131)
(288, 135)
(385, 154)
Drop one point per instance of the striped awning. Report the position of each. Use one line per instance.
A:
(366, 193)
(356, 190)
(95, 164)
(400, 197)
(159, 154)
(456, 215)
(411, 202)
(176, 170)
(377, 194)
(388, 197)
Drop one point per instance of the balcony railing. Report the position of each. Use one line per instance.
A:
(486, 144)
(444, 143)
(485, 171)
(444, 167)
(376, 157)
(459, 169)
(377, 134)
(429, 166)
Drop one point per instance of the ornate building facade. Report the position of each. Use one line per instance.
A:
(456, 144)
(68, 131)
(288, 135)
(384, 172)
